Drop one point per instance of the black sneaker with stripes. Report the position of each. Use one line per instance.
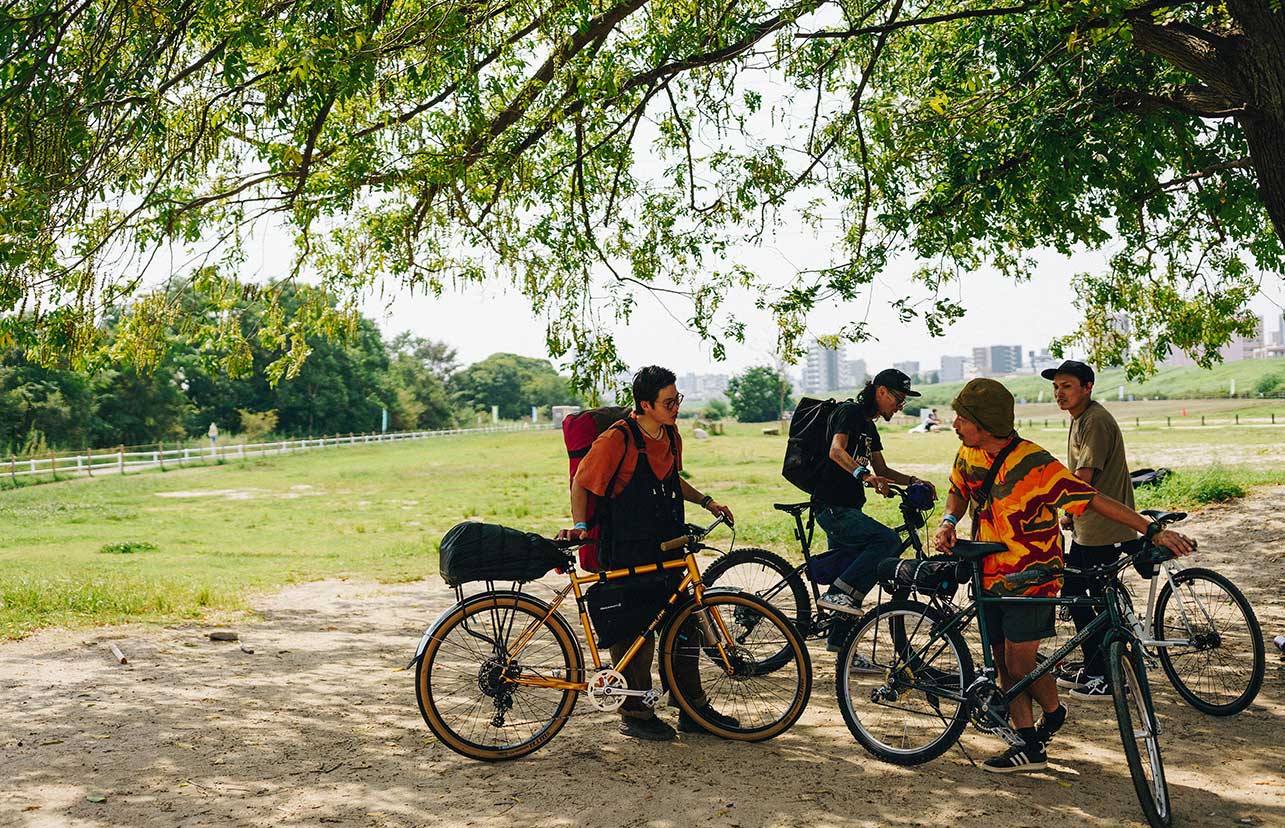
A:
(1027, 757)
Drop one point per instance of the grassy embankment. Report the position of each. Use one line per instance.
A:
(167, 546)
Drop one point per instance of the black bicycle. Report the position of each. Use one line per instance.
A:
(794, 589)
(922, 690)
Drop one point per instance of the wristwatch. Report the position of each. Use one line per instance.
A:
(1154, 529)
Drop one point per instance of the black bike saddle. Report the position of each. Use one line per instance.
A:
(1164, 517)
(792, 508)
(976, 550)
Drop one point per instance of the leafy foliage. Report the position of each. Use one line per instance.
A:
(587, 151)
(758, 395)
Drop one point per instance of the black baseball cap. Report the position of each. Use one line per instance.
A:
(1073, 367)
(894, 380)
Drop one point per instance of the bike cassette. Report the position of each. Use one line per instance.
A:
(607, 690)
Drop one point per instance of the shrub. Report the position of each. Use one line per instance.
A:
(127, 547)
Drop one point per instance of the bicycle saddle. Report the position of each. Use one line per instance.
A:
(1164, 517)
(976, 550)
(792, 508)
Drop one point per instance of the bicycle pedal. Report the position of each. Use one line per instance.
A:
(654, 698)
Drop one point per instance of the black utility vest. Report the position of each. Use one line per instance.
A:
(646, 513)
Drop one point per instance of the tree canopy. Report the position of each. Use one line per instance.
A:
(758, 395)
(590, 151)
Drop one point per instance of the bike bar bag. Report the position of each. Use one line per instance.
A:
(826, 567)
(622, 608)
(473, 551)
(929, 576)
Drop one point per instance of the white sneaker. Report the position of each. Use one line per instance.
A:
(1073, 681)
(840, 602)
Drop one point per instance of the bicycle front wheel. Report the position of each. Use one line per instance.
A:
(474, 683)
(712, 658)
(901, 679)
(767, 575)
(1139, 732)
(1219, 670)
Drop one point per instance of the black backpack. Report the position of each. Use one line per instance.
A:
(809, 445)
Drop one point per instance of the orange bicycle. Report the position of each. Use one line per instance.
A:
(499, 673)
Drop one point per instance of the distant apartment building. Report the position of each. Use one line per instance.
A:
(953, 368)
(997, 360)
(821, 369)
(910, 368)
(703, 386)
(1240, 347)
(1042, 360)
(852, 373)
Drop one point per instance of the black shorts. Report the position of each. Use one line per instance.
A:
(1018, 622)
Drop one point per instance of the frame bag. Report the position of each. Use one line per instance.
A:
(621, 609)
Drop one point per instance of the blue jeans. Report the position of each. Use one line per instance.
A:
(850, 528)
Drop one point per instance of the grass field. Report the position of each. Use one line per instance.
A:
(170, 545)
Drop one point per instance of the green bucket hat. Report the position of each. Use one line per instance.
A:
(988, 404)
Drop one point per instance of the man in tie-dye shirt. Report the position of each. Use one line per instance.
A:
(1029, 490)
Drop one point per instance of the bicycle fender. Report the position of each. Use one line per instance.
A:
(441, 619)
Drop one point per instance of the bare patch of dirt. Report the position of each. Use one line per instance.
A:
(319, 726)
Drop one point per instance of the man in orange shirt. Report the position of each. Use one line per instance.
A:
(633, 469)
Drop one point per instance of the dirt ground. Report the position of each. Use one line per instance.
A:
(318, 726)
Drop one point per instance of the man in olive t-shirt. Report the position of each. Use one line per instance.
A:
(1095, 454)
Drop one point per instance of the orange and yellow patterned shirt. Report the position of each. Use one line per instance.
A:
(1023, 514)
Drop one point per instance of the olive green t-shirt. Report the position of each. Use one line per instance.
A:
(1095, 442)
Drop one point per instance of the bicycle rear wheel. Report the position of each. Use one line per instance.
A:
(901, 681)
(754, 703)
(469, 682)
(767, 575)
(1140, 732)
(1220, 670)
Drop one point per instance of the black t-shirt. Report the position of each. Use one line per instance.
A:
(837, 487)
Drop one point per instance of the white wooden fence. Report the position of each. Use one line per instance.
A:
(118, 461)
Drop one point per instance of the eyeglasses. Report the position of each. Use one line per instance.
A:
(900, 399)
(673, 404)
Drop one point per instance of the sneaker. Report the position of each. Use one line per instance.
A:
(840, 602)
(1069, 674)
(1095, 688)
(689, 725)
(1050, 724)
(1072, 680)
(651, 728)
(1027, 757)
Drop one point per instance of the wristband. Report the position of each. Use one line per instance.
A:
(1154, 529)
(706, 500)
(951, 519)
(581, 525)
(860, 470)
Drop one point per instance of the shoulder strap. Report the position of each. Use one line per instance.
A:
(989, 482)
(632, 425)
(611, 484)
(672, 431)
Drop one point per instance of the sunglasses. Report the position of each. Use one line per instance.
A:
(673, 404)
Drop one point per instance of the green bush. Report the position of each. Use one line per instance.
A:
(127, 547)
(1183, 490)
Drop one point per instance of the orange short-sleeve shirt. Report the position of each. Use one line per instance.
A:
(614, 449)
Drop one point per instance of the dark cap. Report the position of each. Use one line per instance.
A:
(1073, 367)
(894, 380)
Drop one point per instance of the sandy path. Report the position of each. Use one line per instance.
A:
(317, 727)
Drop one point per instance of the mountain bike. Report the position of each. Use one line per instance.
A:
(922, 690)
(785, 586)
(1204, 633)
(499, 673)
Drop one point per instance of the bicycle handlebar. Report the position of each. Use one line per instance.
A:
(692, 537)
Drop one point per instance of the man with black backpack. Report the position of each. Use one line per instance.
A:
(632, 470)
(855, 460)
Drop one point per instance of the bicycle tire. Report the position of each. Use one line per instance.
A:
(1133, 710)
(764, 703)
(461, 686)
(1217, 662)
(768, 576)
(910, 630)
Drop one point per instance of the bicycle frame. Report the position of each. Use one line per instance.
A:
(910, 540)
(691, 580)
(1143, 627)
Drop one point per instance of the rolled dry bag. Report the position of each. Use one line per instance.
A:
(474, 551)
